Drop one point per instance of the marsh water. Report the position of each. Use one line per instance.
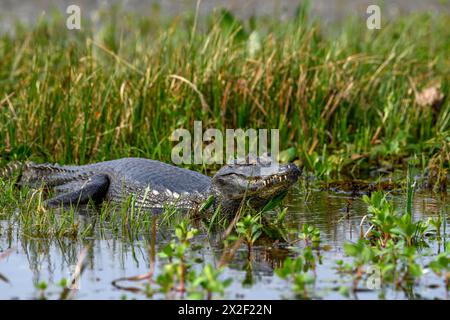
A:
(26, 260)
(29, 261)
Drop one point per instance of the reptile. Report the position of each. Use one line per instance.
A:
(154, 184)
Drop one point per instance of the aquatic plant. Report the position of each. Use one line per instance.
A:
(249, 227)
(208, 280)
(387, 223)
(295, 271)
(310, 234)
(437, 223)
(390, 246)
(174, 252)
(395, 264)
(440, 266)
(363, 254)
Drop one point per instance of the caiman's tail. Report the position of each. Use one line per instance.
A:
(35, 175)
(13, 170)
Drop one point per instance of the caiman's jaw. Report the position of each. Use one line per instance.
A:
(269, 186)
(259, 179)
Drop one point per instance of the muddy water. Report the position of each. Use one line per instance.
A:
(34, 260)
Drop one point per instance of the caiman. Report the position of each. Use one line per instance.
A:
(155, 184)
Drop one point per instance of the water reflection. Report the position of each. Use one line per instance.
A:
(337, 216)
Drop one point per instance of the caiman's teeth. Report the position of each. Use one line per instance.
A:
(274, 179)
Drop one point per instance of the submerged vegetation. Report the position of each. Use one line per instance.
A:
(351, 102)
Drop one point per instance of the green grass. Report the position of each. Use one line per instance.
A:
(343, 99)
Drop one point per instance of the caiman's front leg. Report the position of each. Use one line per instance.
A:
(94, 189)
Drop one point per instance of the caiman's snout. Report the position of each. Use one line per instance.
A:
(279, 175)
(277, 179)
(261, 178)
(293, 172)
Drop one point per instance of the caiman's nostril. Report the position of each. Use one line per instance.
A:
(294, 170)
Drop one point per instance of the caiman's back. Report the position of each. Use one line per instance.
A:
(129, 175)
(152, 182)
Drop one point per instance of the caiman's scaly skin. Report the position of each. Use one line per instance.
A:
(155, 184)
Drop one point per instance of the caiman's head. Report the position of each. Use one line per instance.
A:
(257, 179)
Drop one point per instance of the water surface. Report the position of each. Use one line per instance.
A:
(32, 260)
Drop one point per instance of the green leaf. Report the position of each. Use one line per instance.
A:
(287, 155)
(274, 202)
(207, 204)
(195, 296)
